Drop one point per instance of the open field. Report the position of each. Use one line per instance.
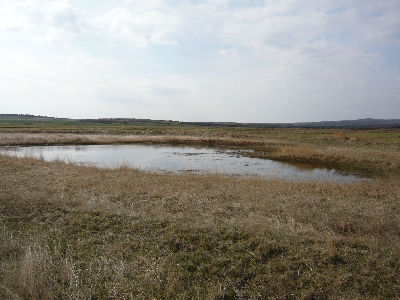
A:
(70, 232)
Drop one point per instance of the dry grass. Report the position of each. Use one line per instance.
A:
(340, 135)
(367, 160)
(30, 139)
(70, 232)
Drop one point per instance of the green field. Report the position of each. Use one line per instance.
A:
(73, 232)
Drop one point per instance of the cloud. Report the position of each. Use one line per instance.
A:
(140, 26)
(288, 25)
(255, 60)
(82, 85)
(34, 13)
(42, 21)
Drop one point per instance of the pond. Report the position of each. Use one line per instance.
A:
(170, 159)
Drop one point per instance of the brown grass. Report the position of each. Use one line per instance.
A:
(340, 135)
(69, 232)
(31, 139)
(86, 233)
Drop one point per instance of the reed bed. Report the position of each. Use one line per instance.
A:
(32, 139)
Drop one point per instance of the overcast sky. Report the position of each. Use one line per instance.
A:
(204, 60)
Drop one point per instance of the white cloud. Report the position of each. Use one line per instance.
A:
(32, 14)
(48, 38)
(255, 60)
(140, 26)
(42, 21)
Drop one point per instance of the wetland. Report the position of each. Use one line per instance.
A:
(79, 231)
(178, 159)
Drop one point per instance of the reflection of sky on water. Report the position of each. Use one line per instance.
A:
(176, 159)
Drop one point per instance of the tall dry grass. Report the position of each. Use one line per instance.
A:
(31, 139)
(70, 232)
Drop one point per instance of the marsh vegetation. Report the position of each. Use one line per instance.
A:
(80, 232)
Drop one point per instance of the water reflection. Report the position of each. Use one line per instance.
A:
(179, 159)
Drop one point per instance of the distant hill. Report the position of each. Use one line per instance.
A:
(344, 124)
(361, 123)
(22, 117)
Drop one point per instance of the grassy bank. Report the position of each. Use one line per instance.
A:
(70, 232)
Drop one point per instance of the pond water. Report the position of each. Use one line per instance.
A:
(179, 159)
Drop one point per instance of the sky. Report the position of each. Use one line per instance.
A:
(261, 61)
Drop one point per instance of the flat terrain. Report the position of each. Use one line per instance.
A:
(70, 232)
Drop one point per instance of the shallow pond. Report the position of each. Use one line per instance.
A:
(179, 159)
